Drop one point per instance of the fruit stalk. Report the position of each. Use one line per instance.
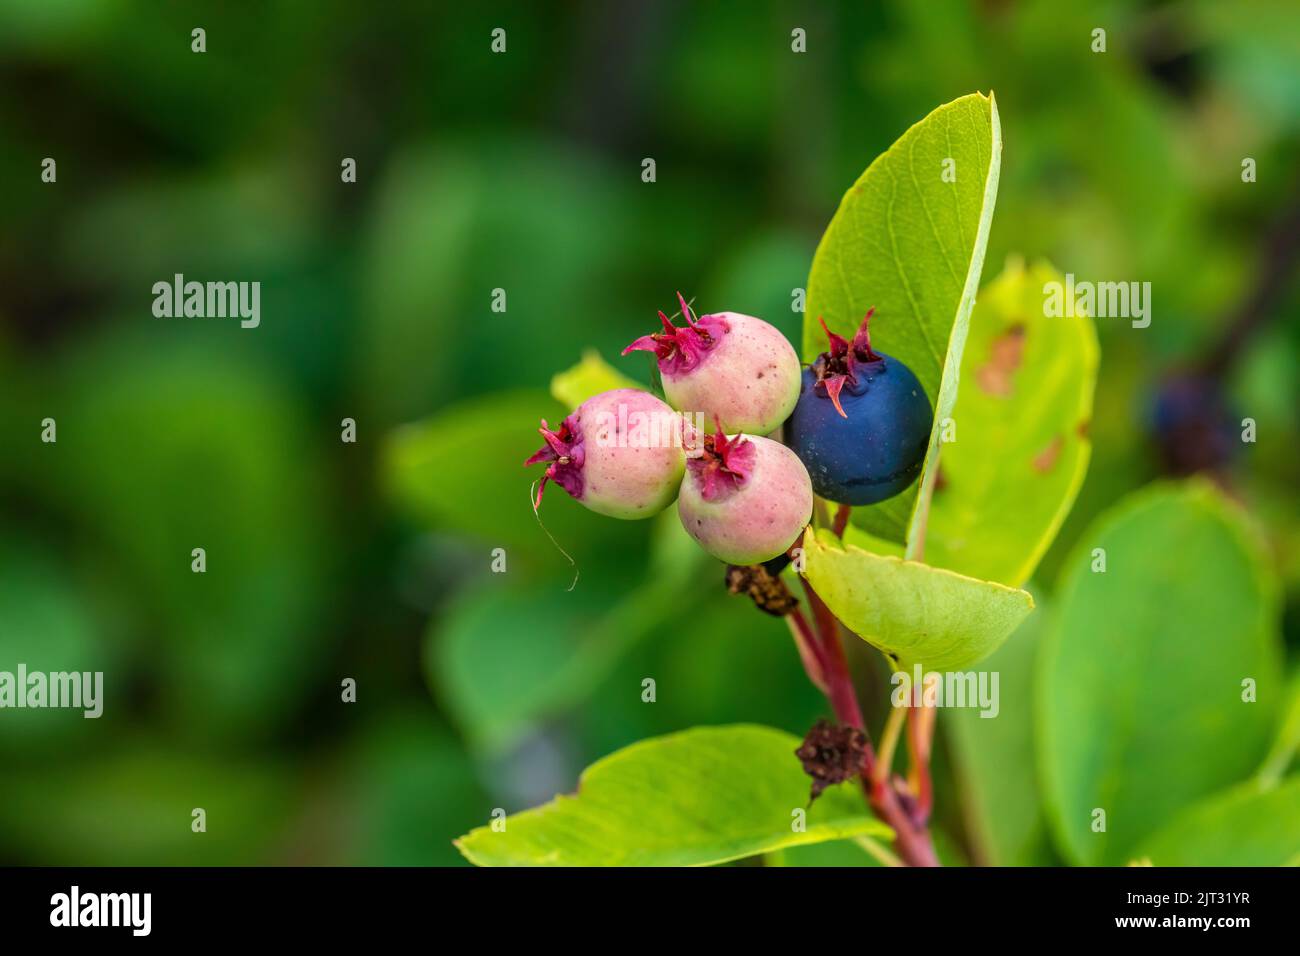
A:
(920, 737)
(842, 515)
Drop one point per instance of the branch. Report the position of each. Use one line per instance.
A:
(809, 650)
(911, 838)
(844, 699)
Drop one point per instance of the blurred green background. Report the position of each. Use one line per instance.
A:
(519, 171)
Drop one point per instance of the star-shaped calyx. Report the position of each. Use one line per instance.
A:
(724, 465)
(564, 451)
(682, 349)
(838, 366)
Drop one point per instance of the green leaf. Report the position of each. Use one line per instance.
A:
(589, 377)
(1021, 422)
(694, 798)
(1287, 740)
(994, 759)
(1141, 708)
(916, 614)
(1246, 826)
(912, 245)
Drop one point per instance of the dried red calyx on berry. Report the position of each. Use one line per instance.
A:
(682, 349)
(723, 466)
(564, 450)
(838, 366)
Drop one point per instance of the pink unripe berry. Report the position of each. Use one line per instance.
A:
(731, 368)
(745, 499)
(619, 453)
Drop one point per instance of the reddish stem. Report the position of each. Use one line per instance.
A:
(842, 514)
(911, 838)
(844, 698)
(920, 736)
(810, 651)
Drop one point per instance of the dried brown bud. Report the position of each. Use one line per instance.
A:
(831, 754)
(766, 590)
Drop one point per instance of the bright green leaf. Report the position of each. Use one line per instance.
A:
(1287, 740)
(1142, 680)
(914, 613)
(701, 796)
(1246, 826)
(1020, 423)
(909, 239)
(589, 377)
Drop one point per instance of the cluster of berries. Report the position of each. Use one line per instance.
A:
(856, 428)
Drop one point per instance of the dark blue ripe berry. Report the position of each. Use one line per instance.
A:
(862, 423)
(1194, 427)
